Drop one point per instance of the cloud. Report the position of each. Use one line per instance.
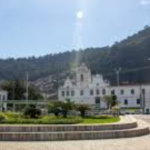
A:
(144, 2)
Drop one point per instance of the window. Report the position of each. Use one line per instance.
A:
(97, 100)
(113, 92)
(91, 92)
(132, 91)
(97, 91)
(103, 91)
(63, 93)
(122, 92)
(126, 102)
(72, 93)
(97, 84)
(82, 77)
(68, 93)
(143, 91)
(81, 92)
(138, 101)
(3, 97)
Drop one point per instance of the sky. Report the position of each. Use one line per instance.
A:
(39, 27)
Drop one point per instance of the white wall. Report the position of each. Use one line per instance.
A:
(3, 98)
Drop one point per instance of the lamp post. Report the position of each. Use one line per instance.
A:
(27, 87)
(117, 71)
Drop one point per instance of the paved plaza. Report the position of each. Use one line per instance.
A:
(138, 143)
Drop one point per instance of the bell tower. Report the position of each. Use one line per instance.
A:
(83, 76)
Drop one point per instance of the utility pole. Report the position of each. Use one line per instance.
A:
(27, 87)
(118, 83)
(118, 76)
(13, 95)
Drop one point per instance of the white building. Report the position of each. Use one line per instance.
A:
(3, 99)
(90, 89)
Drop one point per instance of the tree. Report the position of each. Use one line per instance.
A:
(61, 107)
(108, 100)
(114, 102)
(54, 107)
(66, 106)
(34, 94)
(32, 112)
(82, 108)
(16, 89)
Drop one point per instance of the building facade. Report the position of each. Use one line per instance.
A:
(3, 99)
(90, 89)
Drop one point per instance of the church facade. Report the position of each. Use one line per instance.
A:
(90, 89)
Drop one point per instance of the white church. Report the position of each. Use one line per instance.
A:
(90, 89)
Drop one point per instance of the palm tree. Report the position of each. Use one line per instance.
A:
(108, 100)
(54, 107)
(82, 108)
(66, 106)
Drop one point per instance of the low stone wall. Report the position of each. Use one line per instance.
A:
(59, 128)
(84, 135)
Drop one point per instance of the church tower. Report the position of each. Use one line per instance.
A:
(83, 76)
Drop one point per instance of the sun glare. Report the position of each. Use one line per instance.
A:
(80, 14)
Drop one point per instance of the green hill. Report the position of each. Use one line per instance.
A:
(128, 54)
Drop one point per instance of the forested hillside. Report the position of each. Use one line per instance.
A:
(128, 54)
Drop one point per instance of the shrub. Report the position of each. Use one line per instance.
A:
(60, 120)
(12, 115)
(45, 120)
(32, 112)
(2, 117)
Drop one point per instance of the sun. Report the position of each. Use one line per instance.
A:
(80, 14)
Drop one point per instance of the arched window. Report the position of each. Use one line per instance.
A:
(82, 77)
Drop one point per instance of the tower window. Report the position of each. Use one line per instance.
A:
(68, 93)
(82, 77)
(143, 91)
(132, 91)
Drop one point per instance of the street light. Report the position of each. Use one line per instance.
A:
(118, 83)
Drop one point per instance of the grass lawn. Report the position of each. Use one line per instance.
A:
(95, 121)
(14, 118)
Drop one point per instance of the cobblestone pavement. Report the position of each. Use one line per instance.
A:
(139, 143)
(145, 118)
